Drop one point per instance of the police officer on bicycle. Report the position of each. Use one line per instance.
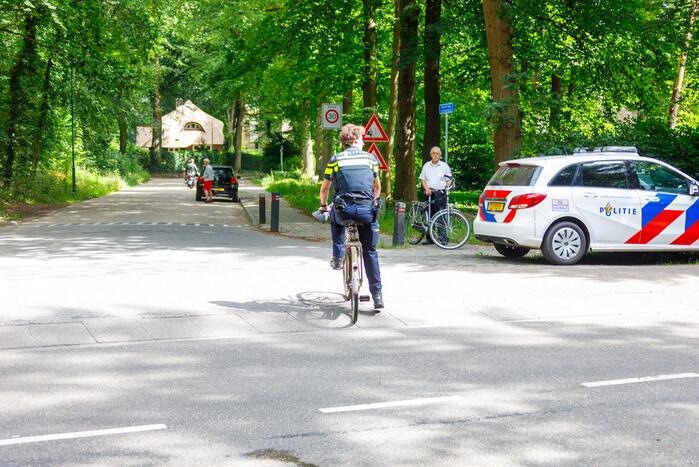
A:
(354, 175)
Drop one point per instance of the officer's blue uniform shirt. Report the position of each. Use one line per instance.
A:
(353, 172)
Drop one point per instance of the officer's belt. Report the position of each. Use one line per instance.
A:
(364, 202)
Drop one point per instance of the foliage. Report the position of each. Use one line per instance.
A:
(615, 61)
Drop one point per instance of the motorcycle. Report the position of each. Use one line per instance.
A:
(190, 180)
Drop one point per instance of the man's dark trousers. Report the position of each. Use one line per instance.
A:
(437, 203)
(368, 236)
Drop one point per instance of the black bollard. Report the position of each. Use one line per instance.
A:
(274, 222)
(263, 214)
(399, 224)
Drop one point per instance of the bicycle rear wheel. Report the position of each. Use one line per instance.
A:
(415, 224)
(449, 229)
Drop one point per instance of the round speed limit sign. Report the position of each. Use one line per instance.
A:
(332, 116)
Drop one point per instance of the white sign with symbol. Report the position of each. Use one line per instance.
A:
(374, 131)
(332, 116)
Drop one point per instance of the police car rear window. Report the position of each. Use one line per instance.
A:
(565, 176)
(516, 175)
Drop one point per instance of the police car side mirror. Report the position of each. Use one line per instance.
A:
(694, 189)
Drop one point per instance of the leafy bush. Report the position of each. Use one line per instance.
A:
(465, 197)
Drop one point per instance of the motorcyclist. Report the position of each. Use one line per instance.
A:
(190, 173)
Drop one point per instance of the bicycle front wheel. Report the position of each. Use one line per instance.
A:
(354, 308)
(347, 276)
(449, 229)
(415, 224)
(354, 283)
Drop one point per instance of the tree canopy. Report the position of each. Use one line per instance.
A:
(549, 75)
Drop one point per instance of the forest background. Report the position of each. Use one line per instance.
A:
(527, 77)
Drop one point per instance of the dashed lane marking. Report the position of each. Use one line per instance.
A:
(383, 405)
(81, 434)
(643, 379)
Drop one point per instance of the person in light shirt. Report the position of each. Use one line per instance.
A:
(435, 178)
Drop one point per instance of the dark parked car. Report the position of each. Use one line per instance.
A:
(225, 184)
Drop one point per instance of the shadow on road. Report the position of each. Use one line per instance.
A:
(318, 309)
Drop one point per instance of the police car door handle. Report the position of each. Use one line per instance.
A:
(589, 195)
(652, 198)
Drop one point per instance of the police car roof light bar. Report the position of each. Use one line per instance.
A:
(627, 149)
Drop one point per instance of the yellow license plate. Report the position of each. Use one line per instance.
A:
(496, 207)
(222, 189)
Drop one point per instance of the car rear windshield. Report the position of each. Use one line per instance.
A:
(223, 173)
(515, 175)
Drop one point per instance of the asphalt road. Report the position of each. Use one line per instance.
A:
(204, 341)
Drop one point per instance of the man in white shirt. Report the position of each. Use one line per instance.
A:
(435, 178)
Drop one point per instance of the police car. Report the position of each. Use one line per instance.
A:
(602, 199)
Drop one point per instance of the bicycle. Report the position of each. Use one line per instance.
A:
(353, 268)
(448, 228)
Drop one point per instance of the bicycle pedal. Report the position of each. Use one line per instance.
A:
(364, 298)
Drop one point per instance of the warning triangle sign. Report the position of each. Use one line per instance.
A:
(374, 132)
(375, 151)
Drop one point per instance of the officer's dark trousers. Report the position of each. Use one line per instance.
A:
(368, 236)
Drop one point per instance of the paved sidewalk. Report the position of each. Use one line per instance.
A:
(293, 222)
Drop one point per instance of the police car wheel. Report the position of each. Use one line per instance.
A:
(510, 251)
(564, 244)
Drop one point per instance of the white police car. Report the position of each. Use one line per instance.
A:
(606, 199)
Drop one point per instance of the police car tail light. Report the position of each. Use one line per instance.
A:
(528, 200)
(480, 200)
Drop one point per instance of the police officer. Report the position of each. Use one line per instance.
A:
(354, 174)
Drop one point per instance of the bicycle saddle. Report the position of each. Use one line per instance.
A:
(347, 222)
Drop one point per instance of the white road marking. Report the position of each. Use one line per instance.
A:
(644, 379)
(381, 405)
(81, 434)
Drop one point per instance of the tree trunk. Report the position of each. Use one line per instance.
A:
(327, 147)
(320, 167)
(230, 132)
(677, 87)
(17, 94)
(239, 126)
(347, 102)
(370, 98)
(393, 100)
(157, 141)
(556, 97)
(432, 134)
(43, 112)
(123, 131)
(307, 150)
(404, 189)
(505, 119)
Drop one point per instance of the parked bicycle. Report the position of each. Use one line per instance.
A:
(449, 228)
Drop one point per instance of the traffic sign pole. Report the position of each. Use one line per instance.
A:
(446, 109)
(446, 139)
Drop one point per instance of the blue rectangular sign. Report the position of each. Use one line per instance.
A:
(446, 108)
